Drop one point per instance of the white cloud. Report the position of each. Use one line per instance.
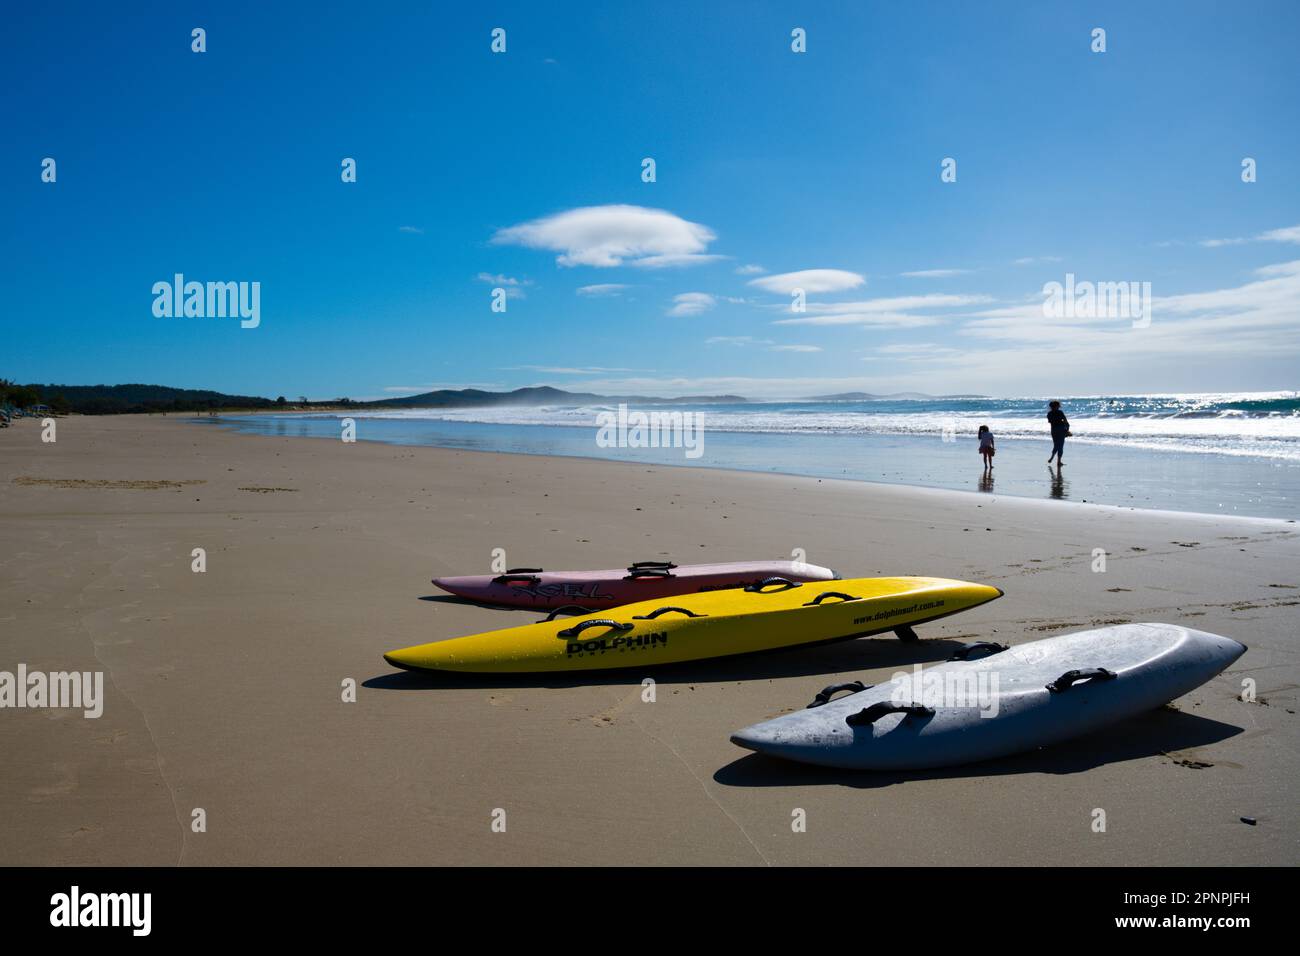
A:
(912, 352)
(893, 312)
(604, 236)
(930, 300)
(810, 280)
(414, 229)
(746, 340)
(514, 287)
(750, 270)
(668, 262)
(936, 273)
(501, 279)
(692, 303)
(1034, 260)
(602, 290)
(1280, 269)
(890, 320)
(1288, 234)
(1190, 335)
(1230, 339)
(568, 370)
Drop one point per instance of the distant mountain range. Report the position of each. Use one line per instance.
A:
(124, 399)
(539, 395)
(121, 399)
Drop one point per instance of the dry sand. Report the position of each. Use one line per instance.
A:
(223, 689)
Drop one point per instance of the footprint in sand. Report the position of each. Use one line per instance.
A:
(1191, 763)
(66, 782)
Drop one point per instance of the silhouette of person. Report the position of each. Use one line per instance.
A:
(987, 449)
(1060, 426)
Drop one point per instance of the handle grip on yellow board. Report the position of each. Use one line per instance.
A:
(665, 610)
(600, 622)
(831, 594)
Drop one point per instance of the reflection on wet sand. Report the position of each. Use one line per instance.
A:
(1060, 487)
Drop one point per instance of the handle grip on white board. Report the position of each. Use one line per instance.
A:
(1070, 678)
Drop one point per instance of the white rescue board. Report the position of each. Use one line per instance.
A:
(968, 710)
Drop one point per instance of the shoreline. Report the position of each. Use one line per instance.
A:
(234, 426)
(222, 689)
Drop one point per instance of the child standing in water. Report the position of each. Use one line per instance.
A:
(986, 447)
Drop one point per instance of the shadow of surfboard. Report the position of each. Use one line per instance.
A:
(1156, 732)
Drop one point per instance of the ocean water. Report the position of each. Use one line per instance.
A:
(1223, 453)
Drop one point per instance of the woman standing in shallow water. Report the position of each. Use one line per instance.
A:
(1060, 431)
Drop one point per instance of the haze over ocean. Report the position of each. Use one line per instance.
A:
(1224, 453)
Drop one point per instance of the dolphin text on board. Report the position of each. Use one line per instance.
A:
(640, 642)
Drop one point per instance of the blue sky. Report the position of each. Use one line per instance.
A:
(476, 169)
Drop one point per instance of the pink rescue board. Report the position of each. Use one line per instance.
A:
(643, 581)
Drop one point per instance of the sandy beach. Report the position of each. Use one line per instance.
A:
(224, 688)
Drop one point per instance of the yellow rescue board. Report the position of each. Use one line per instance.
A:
(698, 626)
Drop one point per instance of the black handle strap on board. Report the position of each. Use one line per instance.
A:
(1070, 678)
(831, 594)
(517, 578)
(759, 587)
(964, 652)
(566, 609)
(869, 715)
(581, 626)
(662, 565)
(634, 573)
(826, 693)
(666, 610)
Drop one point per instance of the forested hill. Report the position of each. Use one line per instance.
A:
(121, 399)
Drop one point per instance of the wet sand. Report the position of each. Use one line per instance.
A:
(223, 689)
